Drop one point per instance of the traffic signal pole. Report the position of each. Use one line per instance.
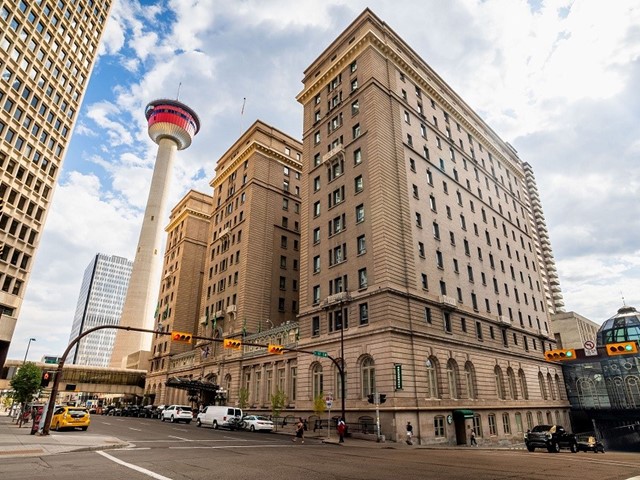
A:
(63, 359)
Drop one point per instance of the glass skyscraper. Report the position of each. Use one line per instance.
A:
(102, 295)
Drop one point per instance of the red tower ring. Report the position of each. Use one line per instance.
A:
(172, 119)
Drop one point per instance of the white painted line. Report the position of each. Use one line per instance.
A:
(136, 429)
(231, 446)
(144, 471)
(180, 438)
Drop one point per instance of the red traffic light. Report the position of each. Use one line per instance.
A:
(181, 337)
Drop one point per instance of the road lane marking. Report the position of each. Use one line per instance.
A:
(180, 438)
(231, 446)
(144, 471)
(136, 429)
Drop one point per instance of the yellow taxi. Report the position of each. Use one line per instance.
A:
(70, 417)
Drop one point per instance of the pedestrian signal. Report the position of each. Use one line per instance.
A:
(277, 349)
(232, 343)
(561, 354)
(45, 379)
(181, 337)
(622, 348)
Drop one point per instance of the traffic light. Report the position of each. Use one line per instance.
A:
(45, 379)
(383, 398)
(561, 354)
(181, 337)
(232, 343)
(277, 349)
(622, 348)
(370, 398)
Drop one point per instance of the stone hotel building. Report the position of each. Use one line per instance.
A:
(424, 265)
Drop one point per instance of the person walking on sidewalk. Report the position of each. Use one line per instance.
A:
(299, 431)
(409, 433)
(473, 439)
(342, 428)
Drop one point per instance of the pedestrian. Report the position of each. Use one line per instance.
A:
(299, 431)
(409, 433)
(473, 439)
(342, 428)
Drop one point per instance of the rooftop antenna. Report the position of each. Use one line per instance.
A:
(178, 95)
(244, 101)
(623, 302)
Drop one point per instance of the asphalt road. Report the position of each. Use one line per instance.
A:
(164, 451)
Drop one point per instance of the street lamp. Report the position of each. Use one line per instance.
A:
(27, 352)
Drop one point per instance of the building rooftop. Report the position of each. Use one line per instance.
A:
(622, 327)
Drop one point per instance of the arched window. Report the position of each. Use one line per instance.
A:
(368, 377)
(523, 384)
(560, 388)
(432, 378)
(497, 372)
(511, 381)
(543, 387)
(452, 378)
(227, 383)
(529, 420)
(318, 380)
(470, 378)
(551, 389)
(633, 389)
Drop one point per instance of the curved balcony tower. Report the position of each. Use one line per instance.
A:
(172, 125)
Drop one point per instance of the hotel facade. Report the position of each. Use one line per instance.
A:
(47, 52)
(424, 265)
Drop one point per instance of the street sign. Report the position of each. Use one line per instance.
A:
(590, 349)
(320, 354)
(328, 400)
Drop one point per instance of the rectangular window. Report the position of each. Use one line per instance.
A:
(438, 424)
(493, 429)
(362, 278)
(427, 315)
(363, 309)
(315, 326)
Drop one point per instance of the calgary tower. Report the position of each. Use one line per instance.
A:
(172, 125)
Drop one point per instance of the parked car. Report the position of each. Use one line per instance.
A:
(177, 413)
(589, 443)
(158, 411)
(70, 417)
(218, 416)
(257, 423)
(108, 410)
(130, 411)
(148, 411)
(551, 437)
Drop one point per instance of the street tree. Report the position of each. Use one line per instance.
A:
(278, 402)
(243, 398)
(25, 384)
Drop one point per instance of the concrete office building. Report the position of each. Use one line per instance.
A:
(47, 52)
(181, 286)
(419, 251)
(172, 126)
(251, 271)
(102, 294)
(572, 330)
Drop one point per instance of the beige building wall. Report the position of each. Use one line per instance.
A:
(180, 290)
(45, 72)
(571, 330)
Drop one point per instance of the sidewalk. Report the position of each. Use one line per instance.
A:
(18, 442)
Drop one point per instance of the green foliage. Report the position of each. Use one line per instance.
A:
(319, 405)
(26, 382)
(243, 398)
(278, 402)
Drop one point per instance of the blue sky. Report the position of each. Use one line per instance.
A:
(556, 79)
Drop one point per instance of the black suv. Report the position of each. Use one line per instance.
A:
(551, 437)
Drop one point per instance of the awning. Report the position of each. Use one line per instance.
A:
(185, 383)
(463, 413)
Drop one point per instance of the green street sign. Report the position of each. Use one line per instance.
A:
(320, 354)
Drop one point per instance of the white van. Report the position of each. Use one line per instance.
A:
(218, 416)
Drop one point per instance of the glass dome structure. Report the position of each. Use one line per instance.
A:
(622, 327)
